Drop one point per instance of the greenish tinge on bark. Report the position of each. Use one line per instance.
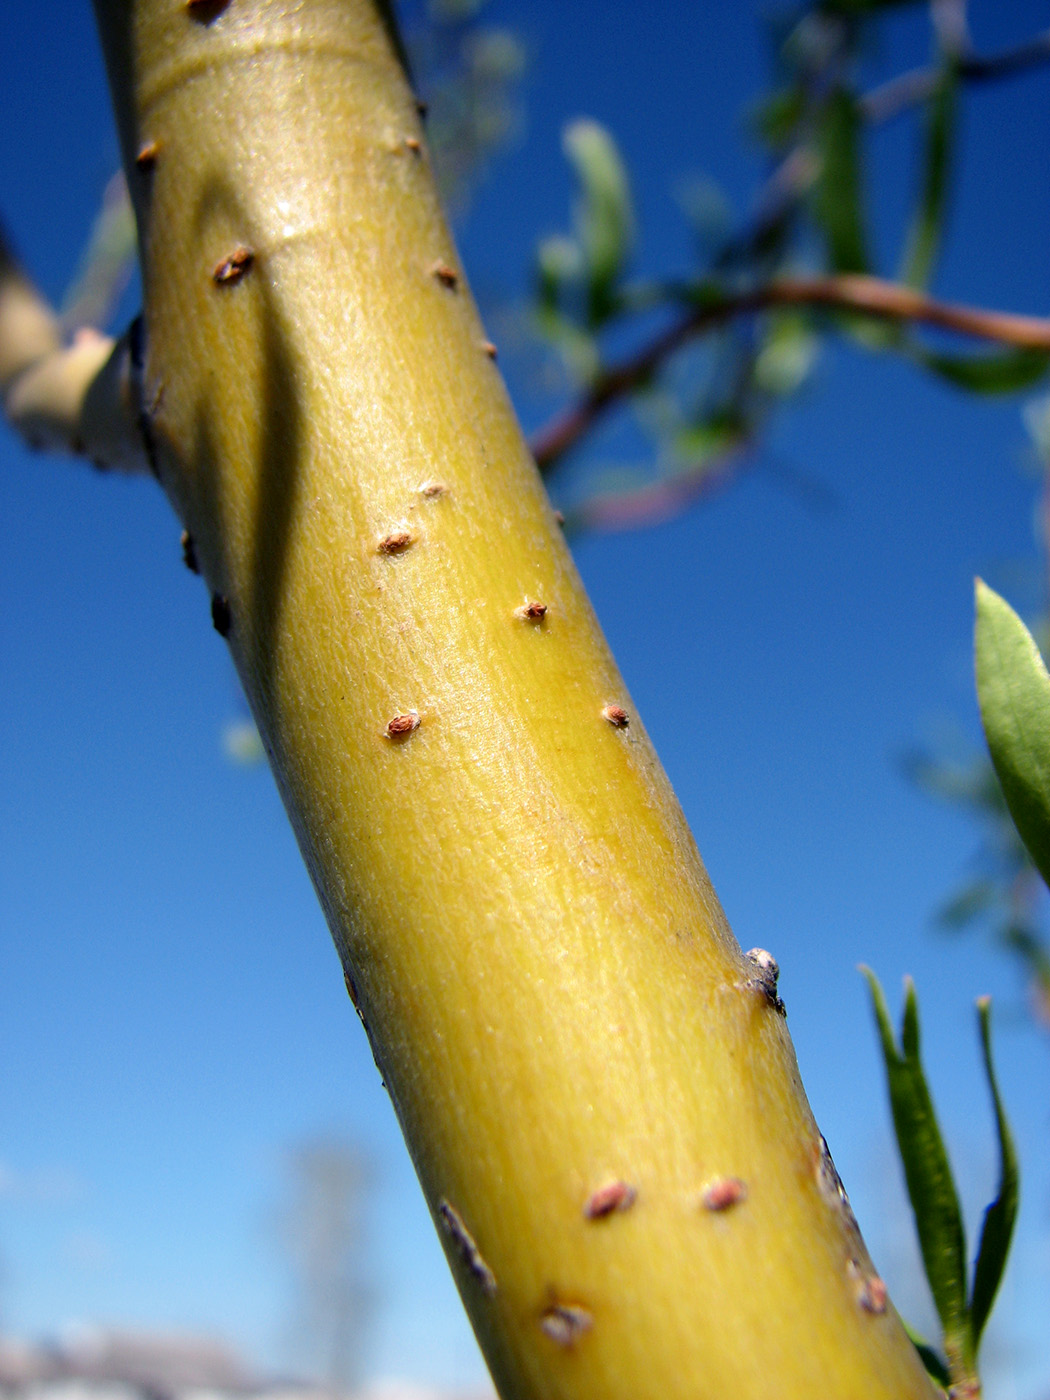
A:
(597, 1088)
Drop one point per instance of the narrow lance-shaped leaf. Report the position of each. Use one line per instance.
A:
(1014, 693)
(604, 222)
(924, 238)
(999, 372)
(927, 1171)
(838, 203)
(999, 1218)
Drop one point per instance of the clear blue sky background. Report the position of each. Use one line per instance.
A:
(172, 1016)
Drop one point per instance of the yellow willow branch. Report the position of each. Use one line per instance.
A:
(870, 296)
(596, 1086)
(75, 398)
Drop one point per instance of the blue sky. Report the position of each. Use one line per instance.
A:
(172, 1017)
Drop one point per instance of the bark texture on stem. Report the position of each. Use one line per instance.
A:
(596, 1086)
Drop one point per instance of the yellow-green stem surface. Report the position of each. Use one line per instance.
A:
(553, 996)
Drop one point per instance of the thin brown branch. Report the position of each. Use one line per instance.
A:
(660, 500)
(910, 89)
(870, 296)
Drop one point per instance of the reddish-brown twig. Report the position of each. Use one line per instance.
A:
(870, 296)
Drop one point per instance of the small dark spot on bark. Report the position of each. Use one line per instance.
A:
(565, 1323)
(233, 267)
(613, 1196)
(395, 543)
(722, 1192)
(447, 276)
(767, 972)
(147, 157)
(221, 617)
(831, 1187)
(351, 991)
(531, 612)
(868, 1289)
(401, 725)
(189, 552)
(465, 1246)
(204, 11)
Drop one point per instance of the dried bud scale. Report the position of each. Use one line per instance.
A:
(401, 725)
(566, 1323)
(233, 267)
(221, 616)
(395, 543)
(531, 612)
(447, 276)
(766, 975)
(723, 1192)
(612, 1197)
(466, 1246)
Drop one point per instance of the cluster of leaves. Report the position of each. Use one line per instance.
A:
(467, 71)
(1013, 689)
(963, 1308)
(706, 402)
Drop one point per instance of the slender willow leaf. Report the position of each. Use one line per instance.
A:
(1001, 1215)
(1002, 372)
(837, 204)
(924, 239)
(1014, 693)
(931, 1188)
(604, 221)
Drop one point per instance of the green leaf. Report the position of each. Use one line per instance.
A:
(603, 217)
(787, 354)
(1002, 372)
(972, 902)
(1013, 689)
(776, 118)
(559, 261)
(1001, 1215)
(924, 239)
(931, 1358)
(927, 1171)
(837, 199)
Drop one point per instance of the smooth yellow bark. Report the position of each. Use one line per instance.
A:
(599, 1095)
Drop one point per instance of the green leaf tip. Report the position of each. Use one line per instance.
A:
(1001, 1216)
(925, 235)
(931, 1189)
(838, 199)
(987, 372)
(930, 1356)
(1013, 689)
(604, 220)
